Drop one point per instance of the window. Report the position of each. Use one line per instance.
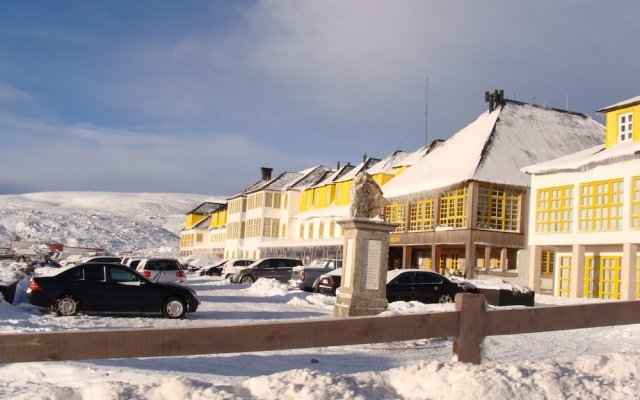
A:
(321, 230)
(338, 194)
(328, 195)
(270, 227)
(94, 273)
(121, 275)
(395, 214)
(332, 229)
(498, 208)
(602, 277)
(310, 231)
(635, 202)
(554, 207)
(625, 127)
(421, 215)
(453, 207)
(283, 231)
(601, 206)
(286, 201)
(547, 262)
(301, 233)
(564, 277)
(199, 237)
(316, 200)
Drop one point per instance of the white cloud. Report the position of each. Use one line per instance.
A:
(10, 93)
(55, 156)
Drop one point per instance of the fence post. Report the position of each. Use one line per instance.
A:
(468, 343)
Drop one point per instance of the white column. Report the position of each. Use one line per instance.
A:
(629, 272)
(535, 258)
(577, 271)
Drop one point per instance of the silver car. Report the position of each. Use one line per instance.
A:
(166, 270)
(276, 268)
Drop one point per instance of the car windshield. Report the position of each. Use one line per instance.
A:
(318, 262)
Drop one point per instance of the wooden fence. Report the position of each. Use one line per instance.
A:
(470, 323)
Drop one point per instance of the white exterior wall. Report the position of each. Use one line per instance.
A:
(579, 245)
(626, 170)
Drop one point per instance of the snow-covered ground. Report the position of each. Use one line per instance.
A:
(588, 364)
(584, 364)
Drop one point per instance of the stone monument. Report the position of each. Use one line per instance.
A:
(363, 289)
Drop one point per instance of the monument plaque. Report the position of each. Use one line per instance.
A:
(371, 273)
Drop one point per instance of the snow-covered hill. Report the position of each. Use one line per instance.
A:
(113, 221)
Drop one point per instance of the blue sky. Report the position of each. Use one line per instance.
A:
(195, 97)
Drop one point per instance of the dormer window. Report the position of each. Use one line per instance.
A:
(625, 127)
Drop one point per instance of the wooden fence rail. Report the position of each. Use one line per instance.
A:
(470, 323)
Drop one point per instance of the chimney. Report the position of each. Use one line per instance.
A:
(494, 99)
(266, 173)
(338, 166)
(364, 157)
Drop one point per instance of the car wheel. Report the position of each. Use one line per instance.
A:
(445, 298)
(66, 305)
(246, 279)
(174, 308)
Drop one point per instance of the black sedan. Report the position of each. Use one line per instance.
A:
(109, 288)
(410, 285)
(424, 286)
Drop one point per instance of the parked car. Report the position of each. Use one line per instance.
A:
(328, 283)
(235, 265)
(167, 270)
(212, 269)
(106, 287)
(424, 286)
(276, 268)
(307, 277)
(409, 285)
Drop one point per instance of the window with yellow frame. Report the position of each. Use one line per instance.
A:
(547, 262)
(564, 276)
(601, 205)
(635, 202)
(498, 207)
(554, 209)
(602, 277)
(453, 208)
(395, 213)
(421, 215)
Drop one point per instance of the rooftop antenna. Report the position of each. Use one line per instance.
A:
(426, 112)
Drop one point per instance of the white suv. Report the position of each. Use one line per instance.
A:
(234, 265)
(166, 270)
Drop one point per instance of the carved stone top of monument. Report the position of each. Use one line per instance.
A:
(367, 198)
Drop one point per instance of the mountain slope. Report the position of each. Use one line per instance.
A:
(113, 221)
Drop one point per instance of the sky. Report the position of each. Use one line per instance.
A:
(195, 97)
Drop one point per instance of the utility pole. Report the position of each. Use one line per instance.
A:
(426, 112)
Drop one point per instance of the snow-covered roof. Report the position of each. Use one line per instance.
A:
(587, 159)
(363, 166)
(418, 154)
(334, 175)
(206, 208)
(309, 177)
(495, 146)
(625, 103)
(387, 164)
(280, 182)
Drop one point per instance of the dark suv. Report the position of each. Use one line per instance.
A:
(276, 268)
